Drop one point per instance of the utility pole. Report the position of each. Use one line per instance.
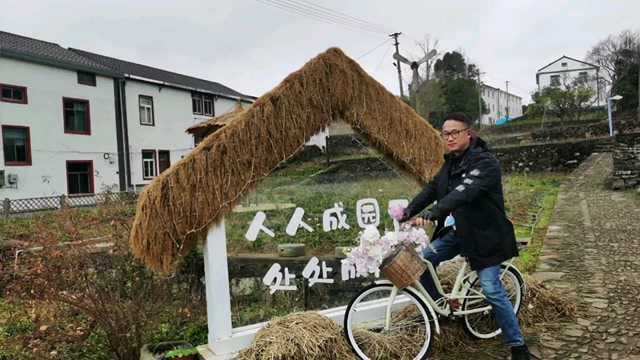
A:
(397, 63)
(507, 99)
(479, 98)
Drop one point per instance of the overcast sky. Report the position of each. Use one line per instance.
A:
(252, 45)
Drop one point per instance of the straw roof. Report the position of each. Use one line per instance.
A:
(215, 123)
(176, 209)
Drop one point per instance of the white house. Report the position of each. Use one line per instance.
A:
(160, 105)
(75, 122)
(58, 121)
(499, 104)
(567, 70)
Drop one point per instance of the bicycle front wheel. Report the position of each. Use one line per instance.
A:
(405, 335)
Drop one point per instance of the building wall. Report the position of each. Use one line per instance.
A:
(50, 146)
(568, 74)
(497, 101)
(173, 114)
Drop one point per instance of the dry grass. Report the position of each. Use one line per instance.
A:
(312, 336)
(176, 209)
(306, 335)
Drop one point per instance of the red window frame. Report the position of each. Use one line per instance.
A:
(19, 163)
(168, 152)
(87, 117)
(155, 163)
(153, 112)
(91, 177)
(24, 91)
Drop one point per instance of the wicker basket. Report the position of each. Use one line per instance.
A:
(403, 266)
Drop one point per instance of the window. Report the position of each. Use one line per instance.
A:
(208, 105)
(202, 104)
(164, 160)
(14, 94)
(76, 116)
(564, 64)
(148, 164)
(555, 80)
(196, 102)
(146, 110)
(582, 77)
(86, 78)
(80, 177)
(16, 143)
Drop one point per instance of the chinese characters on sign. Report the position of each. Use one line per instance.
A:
(317, 271)
(274, 277)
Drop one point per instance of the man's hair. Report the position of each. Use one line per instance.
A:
(458, 116)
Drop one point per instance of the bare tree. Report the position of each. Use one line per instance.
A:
(609, 54)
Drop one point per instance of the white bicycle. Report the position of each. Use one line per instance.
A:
(383, 314)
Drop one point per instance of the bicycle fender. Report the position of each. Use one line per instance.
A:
(426, 303)
(509, 264)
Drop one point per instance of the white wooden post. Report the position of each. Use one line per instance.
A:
(216, 274)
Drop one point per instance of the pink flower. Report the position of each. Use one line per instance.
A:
(396, 212)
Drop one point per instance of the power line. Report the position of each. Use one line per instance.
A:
(331, 14)
(381, 27)
(372, 50)
(382, 59)
(318, 16)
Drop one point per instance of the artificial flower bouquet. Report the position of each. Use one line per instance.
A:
(374, 247)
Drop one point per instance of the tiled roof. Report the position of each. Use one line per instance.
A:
(148, 72)
(25, 48)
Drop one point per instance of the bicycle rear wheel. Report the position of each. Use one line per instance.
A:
(408, 335)
(483, 324)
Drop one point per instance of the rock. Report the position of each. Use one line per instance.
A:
(583, 322)
(291, 250)
(573, 332)
(342, 251)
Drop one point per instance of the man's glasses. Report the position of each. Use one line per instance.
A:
(453, 133)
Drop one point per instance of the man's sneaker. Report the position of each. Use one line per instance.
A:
(520, 353)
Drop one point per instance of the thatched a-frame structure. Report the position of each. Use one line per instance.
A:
(176, 209)
(209, 126)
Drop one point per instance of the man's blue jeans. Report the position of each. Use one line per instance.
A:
(446, 248)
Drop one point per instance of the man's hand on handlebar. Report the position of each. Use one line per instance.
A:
(423, 219)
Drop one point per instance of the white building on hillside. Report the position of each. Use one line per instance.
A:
(566, 71)
(499, 104)
(58, 121)
(74, 122)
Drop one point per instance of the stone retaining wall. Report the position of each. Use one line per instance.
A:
(626, 161)
(558, 156)
(621, 126)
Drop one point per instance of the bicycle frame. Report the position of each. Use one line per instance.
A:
(461, 286)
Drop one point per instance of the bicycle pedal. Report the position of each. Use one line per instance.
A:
(454, 304)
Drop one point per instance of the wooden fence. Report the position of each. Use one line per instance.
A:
(32, 205)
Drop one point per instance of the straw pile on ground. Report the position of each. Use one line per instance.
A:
(299, 336)
(312, 336)
(541, 306)
(175, 210)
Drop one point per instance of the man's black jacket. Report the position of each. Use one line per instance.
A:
(470, 188)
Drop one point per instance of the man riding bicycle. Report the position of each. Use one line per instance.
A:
(468, 188)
